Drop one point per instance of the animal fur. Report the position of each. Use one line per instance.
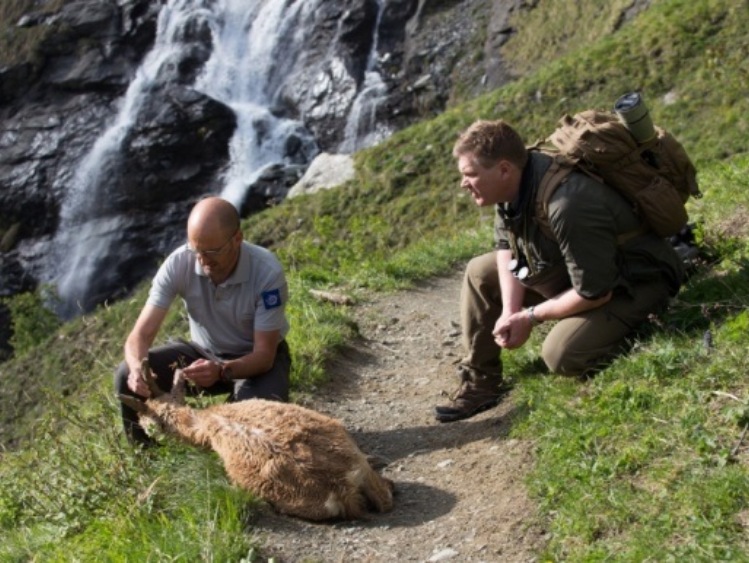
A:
(302, 462)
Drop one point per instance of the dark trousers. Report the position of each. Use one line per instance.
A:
(164, 360)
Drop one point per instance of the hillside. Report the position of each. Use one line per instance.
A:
(647, 461)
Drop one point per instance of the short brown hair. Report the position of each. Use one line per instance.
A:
(492, 141)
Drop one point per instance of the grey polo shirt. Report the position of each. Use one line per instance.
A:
(224, 318)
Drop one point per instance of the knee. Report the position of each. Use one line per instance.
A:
(120, 379)
(560, 360)
(482, 268)
(481, 278)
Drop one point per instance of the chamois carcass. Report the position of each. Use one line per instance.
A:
(302, 462)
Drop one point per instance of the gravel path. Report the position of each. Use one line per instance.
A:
(459, 486)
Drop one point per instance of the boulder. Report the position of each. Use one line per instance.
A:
(326, 171)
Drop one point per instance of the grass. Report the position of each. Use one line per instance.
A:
(113, 504)
(646, 461)
(20, 44)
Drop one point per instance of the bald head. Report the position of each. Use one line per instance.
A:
(214, 237)
(212, 217)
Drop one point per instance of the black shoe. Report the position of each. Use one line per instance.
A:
(471, 400)
(451, 414)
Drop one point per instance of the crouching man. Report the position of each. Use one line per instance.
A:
(587, 273)
(235, 295)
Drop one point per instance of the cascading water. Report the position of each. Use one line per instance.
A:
(246, 38)
(87, 224)
(251, 37)
(254, 44)
(362, 128)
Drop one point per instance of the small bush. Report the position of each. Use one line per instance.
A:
(32, 322)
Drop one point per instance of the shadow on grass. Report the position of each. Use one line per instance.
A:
(709, 297)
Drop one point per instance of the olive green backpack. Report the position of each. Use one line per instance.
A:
(656, 175)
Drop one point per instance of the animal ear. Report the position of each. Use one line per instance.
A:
(145, 369)
(178, 387)
(135, 404)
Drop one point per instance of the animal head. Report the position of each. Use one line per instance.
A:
(156, 413)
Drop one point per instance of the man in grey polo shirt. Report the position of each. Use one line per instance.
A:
(235, 295)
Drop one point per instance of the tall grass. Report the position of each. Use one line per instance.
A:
(83, 494)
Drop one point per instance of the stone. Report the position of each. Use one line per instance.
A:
(326, 171)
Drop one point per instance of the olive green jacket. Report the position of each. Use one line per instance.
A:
(586, 218)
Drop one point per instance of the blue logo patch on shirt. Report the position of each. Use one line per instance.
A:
(271, 298)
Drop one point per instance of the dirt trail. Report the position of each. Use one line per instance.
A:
(459, 486)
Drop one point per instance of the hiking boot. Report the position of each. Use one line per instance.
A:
(475, 395)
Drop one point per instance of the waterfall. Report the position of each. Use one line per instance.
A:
(247, 36)
(87, 224)
(255, 46)
(251, 37)
(362, 129)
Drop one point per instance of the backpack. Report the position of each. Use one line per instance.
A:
(657, 176)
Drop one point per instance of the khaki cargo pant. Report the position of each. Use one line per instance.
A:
(575, 346)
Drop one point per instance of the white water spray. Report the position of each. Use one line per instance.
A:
(362, 129)
(87, 225)
(246, 37)
(251, 36)
(253, 41)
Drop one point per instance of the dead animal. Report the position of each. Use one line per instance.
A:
(302, 462)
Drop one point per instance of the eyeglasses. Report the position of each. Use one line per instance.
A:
(211, 253)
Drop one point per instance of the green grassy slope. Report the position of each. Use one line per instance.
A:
(646, 461)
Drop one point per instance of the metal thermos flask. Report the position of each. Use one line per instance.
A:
(634, 114)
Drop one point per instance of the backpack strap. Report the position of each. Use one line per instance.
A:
(560, 168)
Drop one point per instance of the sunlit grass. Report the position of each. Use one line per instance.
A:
(83, 489)
(646, 461)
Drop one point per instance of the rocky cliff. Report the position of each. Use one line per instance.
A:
(343, 73)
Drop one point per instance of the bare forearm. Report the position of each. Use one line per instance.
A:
(567, 304)
(260, 360)
(136, 348)
(142, 336)
(255, 363)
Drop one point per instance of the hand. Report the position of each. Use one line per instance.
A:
(136, 383)
(513, 330)
(203, 373)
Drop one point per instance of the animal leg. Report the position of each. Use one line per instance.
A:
(378, 490)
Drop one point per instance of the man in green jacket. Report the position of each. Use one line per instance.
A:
(597, 288)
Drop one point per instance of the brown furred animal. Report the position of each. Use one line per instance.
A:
(302, 462)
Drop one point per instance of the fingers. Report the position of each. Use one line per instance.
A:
(136, 383)
(202, 372)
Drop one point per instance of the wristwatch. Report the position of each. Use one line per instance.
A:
(226, 374)
(532, 316)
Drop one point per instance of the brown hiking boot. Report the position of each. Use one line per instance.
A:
(476, 394)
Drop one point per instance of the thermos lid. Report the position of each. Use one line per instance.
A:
(634, 114)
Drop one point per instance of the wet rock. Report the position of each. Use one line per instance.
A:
(55, 106)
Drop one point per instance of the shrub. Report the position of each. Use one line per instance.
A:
(32, 321)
